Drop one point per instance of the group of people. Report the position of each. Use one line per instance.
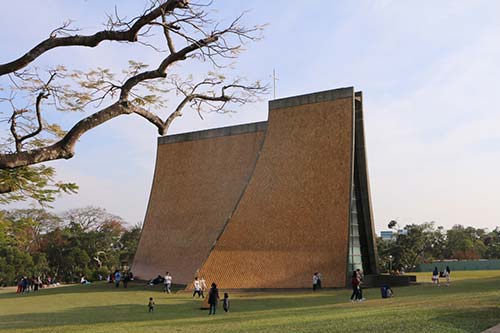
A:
(316, 281)
(166, 280)
(199, 288)
(446, 274)
(27, 284)
(213, 300)
(118, 277)
(356, 282)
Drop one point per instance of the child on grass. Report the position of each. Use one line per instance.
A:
(151, 305)
(225, 302)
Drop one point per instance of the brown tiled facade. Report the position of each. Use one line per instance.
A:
(195, 188)
(257, 206)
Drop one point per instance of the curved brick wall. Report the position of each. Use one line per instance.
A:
(196, 186)
(293, 217)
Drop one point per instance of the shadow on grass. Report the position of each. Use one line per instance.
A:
(320, 312)
(470, 320)
(179, 314)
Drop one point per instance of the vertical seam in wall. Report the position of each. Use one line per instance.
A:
(366, 199)
(243, 191)
(351, 183)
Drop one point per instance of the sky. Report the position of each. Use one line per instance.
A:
(428, 71)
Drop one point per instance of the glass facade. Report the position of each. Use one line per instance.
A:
(355, 259)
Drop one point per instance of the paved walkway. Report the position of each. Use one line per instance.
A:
(494, 329)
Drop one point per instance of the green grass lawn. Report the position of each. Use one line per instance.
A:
(470, 304)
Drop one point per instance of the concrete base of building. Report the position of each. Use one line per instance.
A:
(378, 280)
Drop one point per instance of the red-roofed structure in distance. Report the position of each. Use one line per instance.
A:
(264, 205)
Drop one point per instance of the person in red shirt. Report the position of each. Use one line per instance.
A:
(355, 281)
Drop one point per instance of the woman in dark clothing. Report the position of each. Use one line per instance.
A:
(355, 286)
(213, 298)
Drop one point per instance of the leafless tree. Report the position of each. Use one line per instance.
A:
(187, 34)
(90, 218)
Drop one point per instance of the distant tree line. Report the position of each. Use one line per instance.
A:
(85, 241)
(422, 243)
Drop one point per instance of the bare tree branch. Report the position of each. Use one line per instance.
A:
(166, 32)
(160, 72)
(65, 147)
(129, 35)
(187, 26)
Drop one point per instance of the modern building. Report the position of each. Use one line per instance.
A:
(267, 204)
(387, 235)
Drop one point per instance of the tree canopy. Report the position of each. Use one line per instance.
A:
(177, 30)
(85, 241)
(422, 243)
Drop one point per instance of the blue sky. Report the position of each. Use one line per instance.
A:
(429, 72)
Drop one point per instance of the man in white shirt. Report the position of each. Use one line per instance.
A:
(315, 281)
(197, 287)
(167, 281)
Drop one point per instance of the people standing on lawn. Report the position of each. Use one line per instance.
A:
(315, 281)
(355, 286)
(435, 276)
(126, 279)
(167, 283)
(25, 284)
(38, 283)
(19, 286)
(203, 285)
(151, 305)
(361, 280)
(213, 298)
(118, 277)
(446, 275)
(30, 284)
(225, 302)
(318, 274)
(197, 287)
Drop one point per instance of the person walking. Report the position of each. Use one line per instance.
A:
(19, 286)
(315, 281)
(225, 302)
(360, 288)
(355, 286)
(197, 287)
(167, 283)
(126, 279)
(213, 298)
(447, 272)
(24, 284)
(435, 276)
(151, 305)
(118, 277)
(203, 286)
